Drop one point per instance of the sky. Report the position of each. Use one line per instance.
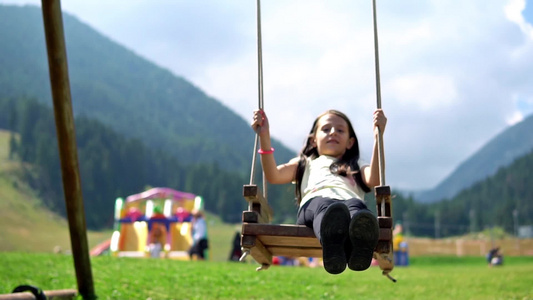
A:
(454, 74)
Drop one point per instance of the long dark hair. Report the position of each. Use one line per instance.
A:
(349, 161)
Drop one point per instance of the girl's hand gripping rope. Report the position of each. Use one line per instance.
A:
(260, 123)
(379, 121)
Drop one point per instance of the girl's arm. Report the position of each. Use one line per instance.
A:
(274, 174)
(371, 173)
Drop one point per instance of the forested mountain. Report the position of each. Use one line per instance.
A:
(499, 152)
(490, 202)
(129, 94)
(493, 200)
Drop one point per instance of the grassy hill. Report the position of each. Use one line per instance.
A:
(21, 212)
(26, 225)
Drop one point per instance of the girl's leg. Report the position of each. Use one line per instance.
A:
(330, 220)
(364, 234)
(355, 205)
(312, 212)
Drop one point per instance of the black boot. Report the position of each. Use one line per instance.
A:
(364, 235)
(333, 234)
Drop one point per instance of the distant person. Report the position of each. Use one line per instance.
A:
(199, 236)
(397, 236)
(330, 186)
(399, 246)
(236, 251)
(495, 257)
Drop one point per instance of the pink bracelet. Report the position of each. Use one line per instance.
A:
(261, 151)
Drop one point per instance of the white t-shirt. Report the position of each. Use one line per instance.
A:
(199, 229)
(318, 181)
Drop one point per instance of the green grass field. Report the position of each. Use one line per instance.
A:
(126, 278)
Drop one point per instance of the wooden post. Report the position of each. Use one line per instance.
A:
(66, 138)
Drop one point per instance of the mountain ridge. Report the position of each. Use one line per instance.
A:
(510, 144)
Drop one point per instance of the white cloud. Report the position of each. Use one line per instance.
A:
(517, 117)
(453, 74)
(514, 12)
(427, 92)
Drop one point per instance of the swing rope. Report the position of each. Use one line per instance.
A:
(378, 97)
(383, 196)
(260, 96)
(247, 250)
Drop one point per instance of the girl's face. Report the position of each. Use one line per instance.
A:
(332, 136)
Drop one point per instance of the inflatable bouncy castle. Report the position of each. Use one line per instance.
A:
(155, 223)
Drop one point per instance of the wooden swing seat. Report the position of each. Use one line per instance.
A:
(264, 240)
(283, 239)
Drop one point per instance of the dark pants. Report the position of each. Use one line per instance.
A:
(312, 212)
(199, 248)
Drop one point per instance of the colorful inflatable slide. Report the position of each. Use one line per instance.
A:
(154, 223)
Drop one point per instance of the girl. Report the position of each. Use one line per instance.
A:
(330, 187)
